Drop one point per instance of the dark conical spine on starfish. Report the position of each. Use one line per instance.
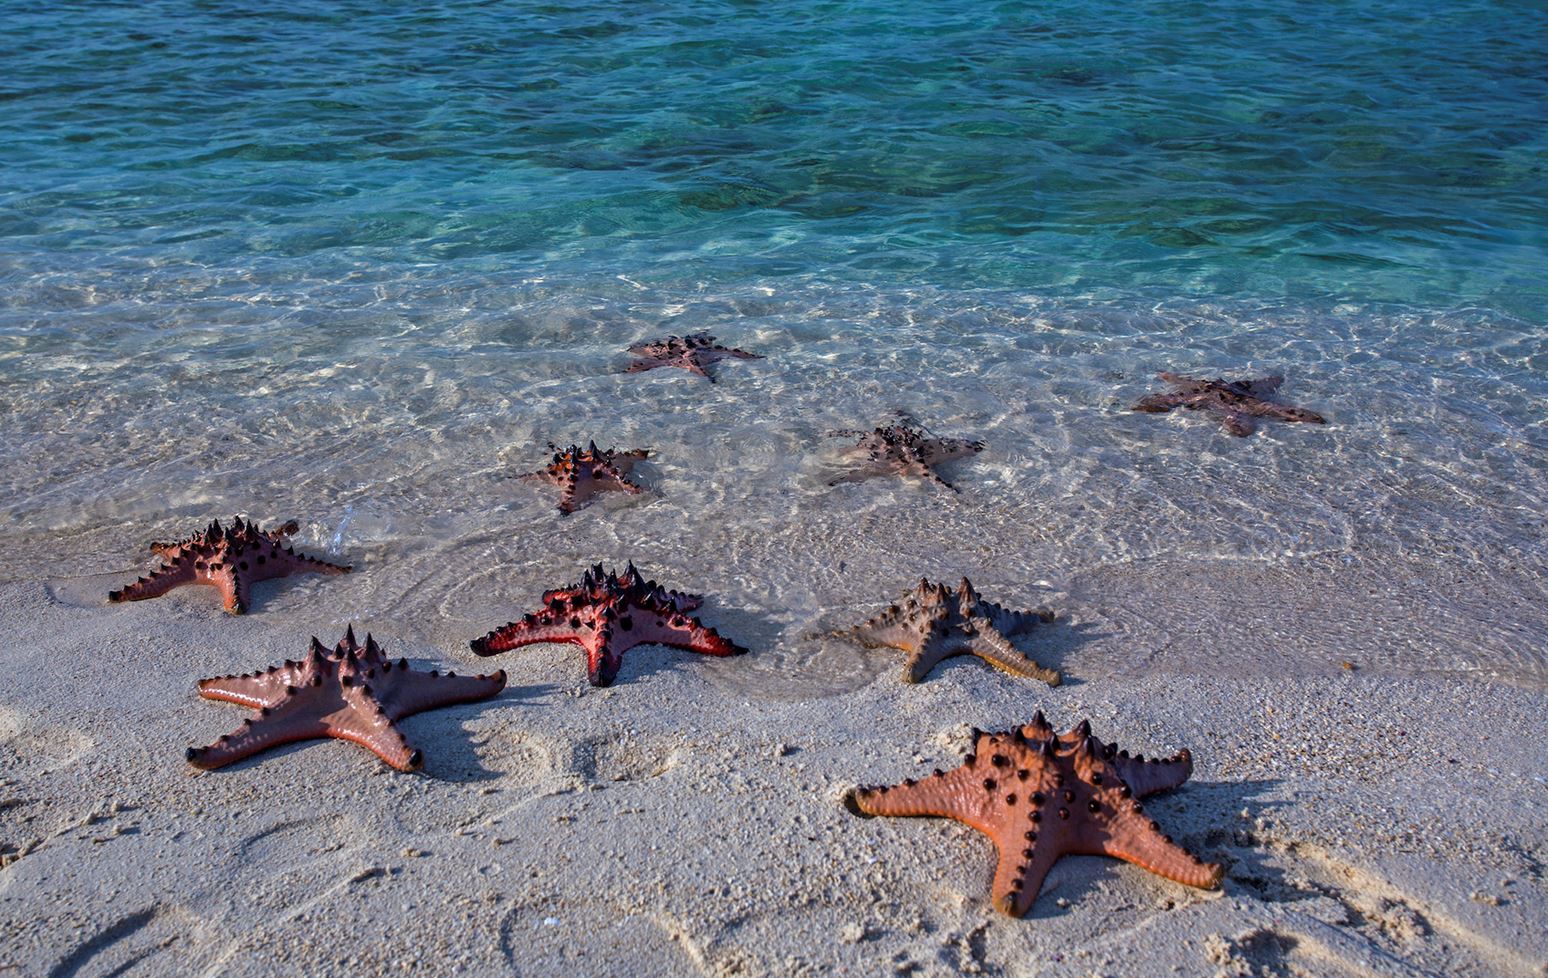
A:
(351, 692)
(230, 559)
(1039, 796)
(607, 614)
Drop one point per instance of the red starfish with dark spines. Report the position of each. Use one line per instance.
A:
(608, 614)
(1039, 795)
(352, 692)
(229, 558)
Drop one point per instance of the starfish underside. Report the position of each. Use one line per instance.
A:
(351, 692)
(902, 449)
(583, 472)
(229, 558)
(1039, 796)
(608, 614)
(693, 353)
(1237, 402)
(933, 622)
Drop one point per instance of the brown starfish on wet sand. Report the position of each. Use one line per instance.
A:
(932, 622)
(1039, 796)
(903, 449)
(608, 614)
(352, 693)
(693, 353)
(1236, 401)
(229, 558)
(583, 472)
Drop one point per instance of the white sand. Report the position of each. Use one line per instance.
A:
(1374, 822)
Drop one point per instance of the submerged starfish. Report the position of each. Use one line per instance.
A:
(583, 472)
(933, 622)
(607, 615)
(231, 559)
(351, 693)
(905, 450)
(692, 353)
(1039, 796)
(1236, 401)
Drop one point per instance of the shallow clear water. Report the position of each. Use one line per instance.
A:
(357, 263)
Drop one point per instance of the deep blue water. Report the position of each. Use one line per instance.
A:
(1344, 151)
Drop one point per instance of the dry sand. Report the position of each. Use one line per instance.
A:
(1374, 821)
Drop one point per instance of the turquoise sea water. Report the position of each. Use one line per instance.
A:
(358, 261)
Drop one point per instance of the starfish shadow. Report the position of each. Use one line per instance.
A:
(1228, 840)
(451, 753)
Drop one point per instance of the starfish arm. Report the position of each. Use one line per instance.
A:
(957, 794)
(1019, 874)
(1010, 622)
(937, 450)
(575, 491)
(541, 475)
(922, 470)
(886, 630)
(531, 630)
(1237, 423)
(931, 649)
(695, 364)
(1148, 777)
(739, 354)
(642, 364)
(988, 644)
(1285, 412)
(616, 477)
(843, 433)
(1264, 386)
(689, 635)
(160, 581)
(365, 722)
(297, 717)
(1158, 403)
(860, 474)
(404, 693)
(260, 689)
(1131, 836)
(304, 564)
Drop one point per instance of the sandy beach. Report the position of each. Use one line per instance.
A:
(689, 820)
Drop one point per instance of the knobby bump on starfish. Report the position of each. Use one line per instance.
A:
(608, 614)
(1039, 795)
(693, 353)
(351, 692)
(229, 558)
(903, 449)
(932, 622)
(1237, 402)
(583, 472)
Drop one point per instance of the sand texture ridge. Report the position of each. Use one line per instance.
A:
(688, 820)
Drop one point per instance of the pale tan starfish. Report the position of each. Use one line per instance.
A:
(932, 622)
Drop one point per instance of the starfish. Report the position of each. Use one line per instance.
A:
(231, 559)
(933, 622)
(1236, 401)
(352, 693)
(692, 353)
(607, 615)
(905, 450)
(582, 472)
(1038, 796)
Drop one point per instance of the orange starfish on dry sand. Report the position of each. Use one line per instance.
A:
(353, 693)
(230, 559)
(1039, 796)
